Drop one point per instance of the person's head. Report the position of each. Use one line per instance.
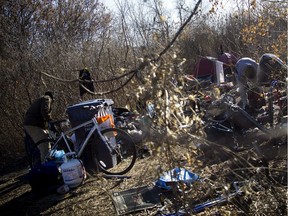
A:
(50, 94)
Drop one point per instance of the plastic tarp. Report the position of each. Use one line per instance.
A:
(204, 67)
(172, 177)
(227, 59)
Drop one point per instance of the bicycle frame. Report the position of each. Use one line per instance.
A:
(83, 144)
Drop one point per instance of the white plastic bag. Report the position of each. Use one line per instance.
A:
(105, 119)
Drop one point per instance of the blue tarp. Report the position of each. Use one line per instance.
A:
(174, 176)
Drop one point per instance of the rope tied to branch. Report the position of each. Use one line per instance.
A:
(132, 72)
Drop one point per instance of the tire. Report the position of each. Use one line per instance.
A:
(34, 153)
(123, 155)
(229, 99)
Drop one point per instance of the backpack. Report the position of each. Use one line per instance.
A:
(45, 178)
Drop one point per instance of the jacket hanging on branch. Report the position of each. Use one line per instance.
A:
(86, 80)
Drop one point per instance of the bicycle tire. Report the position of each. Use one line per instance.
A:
(34, 154)
(124, 153)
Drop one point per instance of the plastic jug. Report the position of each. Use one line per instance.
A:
(73, 173)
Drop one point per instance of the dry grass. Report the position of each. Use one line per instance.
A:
(217, 166)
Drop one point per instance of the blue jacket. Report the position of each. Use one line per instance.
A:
(242, 64)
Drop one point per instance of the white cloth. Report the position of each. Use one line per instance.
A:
(219, 72)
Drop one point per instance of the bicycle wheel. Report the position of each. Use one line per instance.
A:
(123, 155)
(34, 152)
(229, 99)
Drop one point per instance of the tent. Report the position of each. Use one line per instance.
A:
(209, 68)
(205, 67)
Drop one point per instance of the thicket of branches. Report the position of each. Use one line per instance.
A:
(45, 43)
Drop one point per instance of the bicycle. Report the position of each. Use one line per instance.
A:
(117, 142)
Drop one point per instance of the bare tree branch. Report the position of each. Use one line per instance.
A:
(111, 91)
(180, 30)
(141, 66)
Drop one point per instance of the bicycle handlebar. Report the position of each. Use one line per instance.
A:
(53, 125)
